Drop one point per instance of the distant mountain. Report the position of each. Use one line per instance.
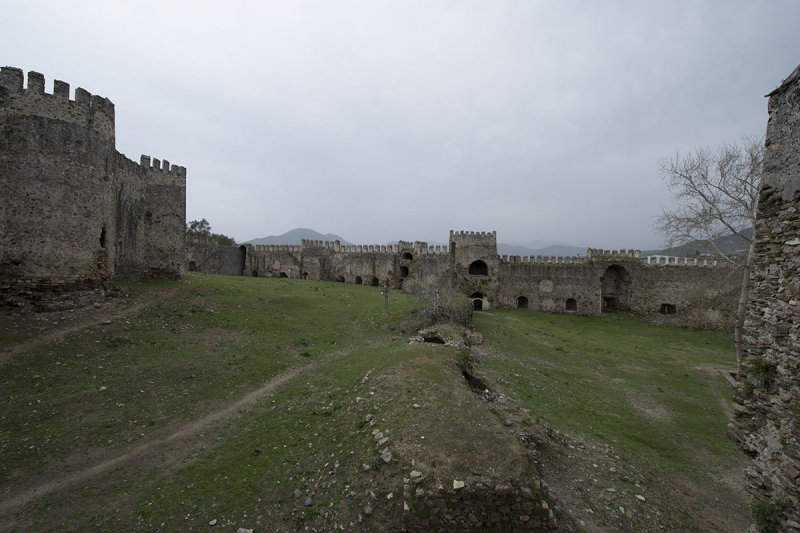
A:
(296, 235)
(553, 249)
(730, 244)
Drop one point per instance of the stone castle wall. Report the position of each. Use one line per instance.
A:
(75, 212)
(767, 401)
(677, 291)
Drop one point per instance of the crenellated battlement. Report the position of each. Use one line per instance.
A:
(163, 166)
(597, 253)
(86, 109)
(543, 260)
(290, 248)
(679, 261)
(417, 247)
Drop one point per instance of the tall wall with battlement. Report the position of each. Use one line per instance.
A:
(665, 290)
(766, 414)
(75, 212)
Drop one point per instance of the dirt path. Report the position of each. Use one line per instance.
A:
(93, 318)
(151, 444)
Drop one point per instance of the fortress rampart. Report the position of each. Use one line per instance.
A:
(75, 212)
(670, 290)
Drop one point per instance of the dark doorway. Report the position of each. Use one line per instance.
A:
(192, 266)
(616, 289)
(283, 275)
(242, 258)
(477, 301)
(374, 281)
(305, 275)
(358, 280)
(522, 302)
(254, 273)
(572, 304)
(340, 279)
(403, 271)
(668, 309)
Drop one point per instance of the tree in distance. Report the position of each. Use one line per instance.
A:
(716, 193)
(202, 228)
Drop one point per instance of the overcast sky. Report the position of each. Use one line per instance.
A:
(388, 120)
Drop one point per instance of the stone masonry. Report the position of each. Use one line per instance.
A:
(679, 291)
(75, 213)
(767, 400)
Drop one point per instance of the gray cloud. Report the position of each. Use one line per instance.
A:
(402, 120)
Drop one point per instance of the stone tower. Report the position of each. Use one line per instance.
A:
(75, 212)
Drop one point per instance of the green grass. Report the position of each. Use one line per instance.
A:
(651, 392)
(655, 393)
(109, 385)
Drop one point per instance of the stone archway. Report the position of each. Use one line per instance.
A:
(478, 268)
(615, 288)
(477, 301)
(522, 302)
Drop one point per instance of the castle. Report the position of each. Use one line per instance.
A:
(689, 292)
(76, 213)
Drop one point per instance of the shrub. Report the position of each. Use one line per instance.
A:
(443, 304)
(767, 515)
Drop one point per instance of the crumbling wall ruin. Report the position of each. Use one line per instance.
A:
(75, 212)
(767, 401)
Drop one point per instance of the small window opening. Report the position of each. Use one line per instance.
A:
(407, 256)
(192, 266)
(103, 237)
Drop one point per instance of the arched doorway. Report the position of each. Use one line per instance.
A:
(374, 281)
(616, 289)
(479, 268)
(283, 275)
(403, 271)
(522, 302)
(192, 266)
(668, 309)
(340, 279)
(358, 280)
(477, 301)
(571, 305)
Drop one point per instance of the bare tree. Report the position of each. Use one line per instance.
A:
(717, 195)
